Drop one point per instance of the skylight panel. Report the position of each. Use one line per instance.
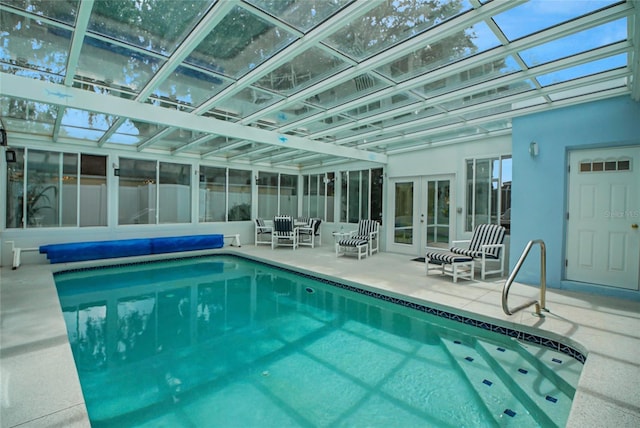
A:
(391, 23)
(595, 88)
(26, 110)
(85, 125)
(538, 15)
(583, 41)
(239, 43)
(155, 25)
(33, 48)
(28, 117)
(304, 70)
(115, 65)
(476, 74)
(291, 113)
(248, 101)
(133, 132)
(590, 68)
(347, 91)
(189, 87)
(301, 14)
(383, 105)
(59, 10)
(473, 40)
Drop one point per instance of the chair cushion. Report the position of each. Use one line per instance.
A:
(446, 257)
(352, 242)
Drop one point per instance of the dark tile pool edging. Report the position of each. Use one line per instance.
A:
(517, 334)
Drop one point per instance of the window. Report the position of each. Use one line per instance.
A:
(137, 192)
(174, 193)
(488, 192)
(314, 196)
(51, 189)
(277, 194)
(152, 192)
(212, 194)
(93, 190)
(219, 202)
(239, 195)
(361, 195)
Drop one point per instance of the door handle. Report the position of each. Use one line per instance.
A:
(634, 226)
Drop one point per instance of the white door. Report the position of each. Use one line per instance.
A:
(421, 208)
(603, 238)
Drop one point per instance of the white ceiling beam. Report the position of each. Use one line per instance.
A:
(82, 22)
(485, 86)
(55, 94)
(314, 37)
(428, 37)
(562, 87)
(193, 40)
(537, 39)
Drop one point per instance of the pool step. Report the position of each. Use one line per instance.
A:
(539, 391)
(560, 368)
(506, 409)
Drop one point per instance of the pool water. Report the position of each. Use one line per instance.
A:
(223, 341)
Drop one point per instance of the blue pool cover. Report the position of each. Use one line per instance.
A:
(94, 250)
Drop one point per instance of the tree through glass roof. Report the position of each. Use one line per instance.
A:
(303, 82)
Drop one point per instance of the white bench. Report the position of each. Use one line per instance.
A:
(17, 251)
(235, 239)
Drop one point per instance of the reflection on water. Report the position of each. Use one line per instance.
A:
(198, 341)
(152, 331)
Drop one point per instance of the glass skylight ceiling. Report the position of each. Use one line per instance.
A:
(301, 83)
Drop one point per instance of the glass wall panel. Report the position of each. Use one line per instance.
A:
(15, 191)
(288, 195)
(42, 188)
(403, 214)
(137, 192)
(377, 181)
(361, 195)
(354, 214)
(344, 196)
(268, 194)
(174, 193)
(69, 190)
(364, 194)
(482, 192)
(93, 190)
(489, 192)
(239, 195)
(331, 196)
(212, 194)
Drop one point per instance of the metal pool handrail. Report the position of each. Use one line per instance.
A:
(543, 281)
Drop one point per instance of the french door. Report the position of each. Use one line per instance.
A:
(421, 208)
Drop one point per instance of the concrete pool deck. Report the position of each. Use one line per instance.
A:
(39, 385)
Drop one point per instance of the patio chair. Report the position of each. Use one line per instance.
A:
(485, 246)
(283, 232)
(368, 231)
(263, 232)
(310, 234)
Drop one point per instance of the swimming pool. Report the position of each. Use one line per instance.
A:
(224, 341)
